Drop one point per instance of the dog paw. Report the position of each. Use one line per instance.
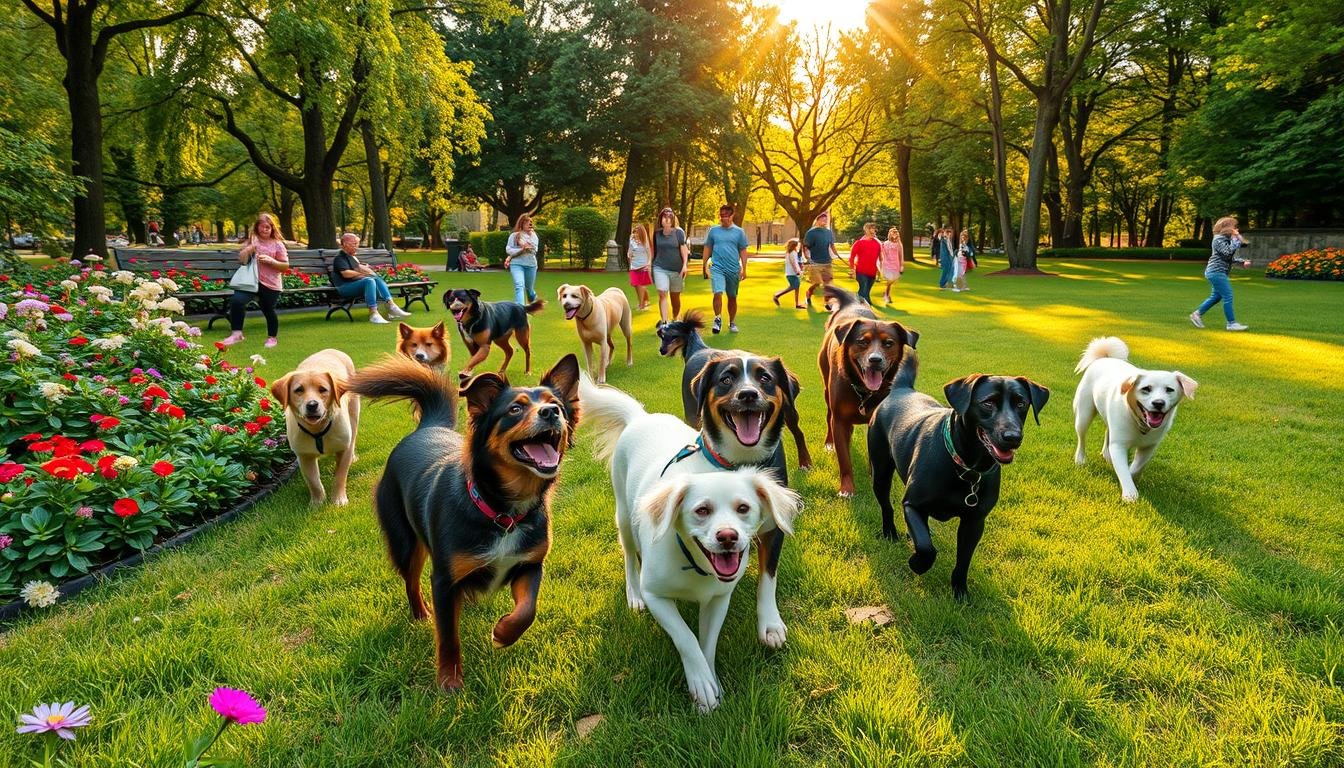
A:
(921, 562)
(704, 689)
(1079, 459)
(1129, 498)
(805, 467)
(339, 501)
(635, 602)
(890, 534)
(316, 501)
(846, 488)
(828, 447)
(772, 634)
(961, 594)
(451, 679)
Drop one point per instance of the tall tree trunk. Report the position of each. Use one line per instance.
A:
(1003, 203)
(625, 214)
(317, 210)
(435, 238)
(907, 206)
(86, 135)
(1047, 114)
(382, 220)
(1054, 205)
(285, 212)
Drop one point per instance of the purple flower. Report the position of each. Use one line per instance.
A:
(55, 717)
(154, 373)
(182, 343)
(5, 541)
(76, 263)
(269, 443)
(237, 706)
(4, 310)
(64, 316)
(122, 400)
(100, 378)
(31, 307)
(137, 371)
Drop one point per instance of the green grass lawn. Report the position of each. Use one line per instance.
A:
(1203, 625)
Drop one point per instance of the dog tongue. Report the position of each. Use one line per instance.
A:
(1001, 455)
(542, 454)
(1154, 419)
(569, 313)
(871, 379)
(748, 428)
(725, 564)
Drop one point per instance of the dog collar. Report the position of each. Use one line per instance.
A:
(699, 446)
(689, 559)
(863, 398)
(507, 522)
(590, 314)
(964, 469)
(317, 436)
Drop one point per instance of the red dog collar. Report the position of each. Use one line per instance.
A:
(507, 522)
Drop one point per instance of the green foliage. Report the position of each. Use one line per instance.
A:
(591, 231)
(1169, 254)
(552, 242)
(35, 194)
(490, 246)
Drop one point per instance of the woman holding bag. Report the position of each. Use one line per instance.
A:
(267, 247)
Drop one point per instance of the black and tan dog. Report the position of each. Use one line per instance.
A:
(482, 323)
(948, 458)
(741, 403)
(859, 357)
(476, 506)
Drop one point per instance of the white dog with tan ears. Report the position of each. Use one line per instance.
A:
(321, 418)
(1137, 406)
(596, 317)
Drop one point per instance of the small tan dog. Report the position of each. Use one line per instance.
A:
(321, 419)
(595, 317)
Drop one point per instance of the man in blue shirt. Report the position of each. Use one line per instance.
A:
(819, 245)
(726, 250)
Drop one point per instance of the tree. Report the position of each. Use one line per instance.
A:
(84, 31)
(34, 192)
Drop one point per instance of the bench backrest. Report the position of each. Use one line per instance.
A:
(221, 264)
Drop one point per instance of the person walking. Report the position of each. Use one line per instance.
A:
(791, 271)
(942, 254)
(641, 264)
(1226, 242)
(726, 252)
(521, 260)
(893, 260)
(965, 262)
(670, 255)
(267, 246)
(864, 255)
(819, 248)
(353, 279)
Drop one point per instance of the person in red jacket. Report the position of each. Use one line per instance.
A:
(863, 258)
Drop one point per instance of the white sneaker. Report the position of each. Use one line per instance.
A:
(376, 318)
(1237, 327)
(394, 311)
(1196, 320)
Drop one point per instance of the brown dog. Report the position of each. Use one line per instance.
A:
(321, 418)
(859, 358)
(426, 346)
(596, 317)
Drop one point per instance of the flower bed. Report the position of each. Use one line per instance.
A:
(118, 431)
(1315, 264)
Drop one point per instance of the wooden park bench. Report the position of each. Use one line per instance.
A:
(221, 264)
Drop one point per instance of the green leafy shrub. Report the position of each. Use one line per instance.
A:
(1178, 254)
(489, 246)
(591, 231)
(552, 242)
(1314, 264)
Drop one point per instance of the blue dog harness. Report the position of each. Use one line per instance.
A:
(719, 463)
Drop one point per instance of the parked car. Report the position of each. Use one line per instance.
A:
(25, 240)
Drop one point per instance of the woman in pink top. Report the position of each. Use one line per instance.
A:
(893, 259)
(863, 258)
(267, 246)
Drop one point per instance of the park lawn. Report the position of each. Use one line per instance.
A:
(1199, 626)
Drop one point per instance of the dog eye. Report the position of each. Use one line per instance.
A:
(726, 378)
(515, 409)
(702, 511)
(888, 343)
(743, 509)
(988, 405)
(1146, 390)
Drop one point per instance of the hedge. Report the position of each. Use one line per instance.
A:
(489, 246)
(591, 230)
(1176, 254)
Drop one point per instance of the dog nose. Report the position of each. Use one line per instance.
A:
(748, 396)
(311, 405)
(549, 412)
(1158, 405)
(726, 537)
(421, 356)
(1012, 437)
(876, 360)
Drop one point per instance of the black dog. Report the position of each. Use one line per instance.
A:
(481, 323)
(740, 402)
(476, 506)
(948, 458)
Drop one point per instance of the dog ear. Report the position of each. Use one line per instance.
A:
(1188, 385)
(338, 386)
(958, 392)
(846, 329)
(780, 503)
(586, 293)
(1039, 395)
(560, 292)
(280, 390)
(662, 503)
(1128, 384)
(702, 383)
(405, 330)
(911, 336)
(480, 392)
(437, 331)
(475, 294)
(563, 378)
(787, 380)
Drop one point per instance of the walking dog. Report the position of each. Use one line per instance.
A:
(475, 506)
(321, 418)
(482, 323)
(596, 317)
(859, 357)
(948, 458)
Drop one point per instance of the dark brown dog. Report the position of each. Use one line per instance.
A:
(482, 323)
(859, 358)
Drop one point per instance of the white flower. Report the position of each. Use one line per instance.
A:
(168, 284)
(172, 304)
(201, 367)
(123, 463)
(111, 342)
(53, 391)
(93, 258)
(258, 360)
(16, 334)
(69, 285)
(24, 349)
(39, 594)
(124, 277)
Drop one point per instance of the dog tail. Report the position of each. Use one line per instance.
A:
(1104, 346)
(840, 296)
(607, 411)
(909, 368)
(401, 378)
(534, 307)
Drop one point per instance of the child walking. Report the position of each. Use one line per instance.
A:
(893, 260)
(792, 270)
(965, 262)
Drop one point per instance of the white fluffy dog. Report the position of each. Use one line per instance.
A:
(685, 527)
(1137, 406)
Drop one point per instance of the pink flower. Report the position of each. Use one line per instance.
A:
(84, 512)
(237, 706)
(5, 541)
(60, 718)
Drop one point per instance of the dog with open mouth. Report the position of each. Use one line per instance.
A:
(667, 496)
(596, 318)
(482, 323)
(948, 458)
(860, 355)
(476, 506)
(1137, 406)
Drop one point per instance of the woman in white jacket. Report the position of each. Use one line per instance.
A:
(522, 260)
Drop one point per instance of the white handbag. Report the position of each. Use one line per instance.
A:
(246, 279)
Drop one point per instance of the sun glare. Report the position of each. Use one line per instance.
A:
(840, 14)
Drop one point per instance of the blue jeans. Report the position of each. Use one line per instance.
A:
(524, 282)
(373, 289)
(866, 287)
(1222, 291)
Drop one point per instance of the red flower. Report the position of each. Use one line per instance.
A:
(265, 404)
(9, 470)
(69, 376)
(125, 507)
(211, 380)
(220, 346)
(108, 422)
(31, 437)
(252, 427)
(42, 446)
(68, 467)
(92, 446)
(263, 420)
(57, 309)
(138, 379)
(260, 382)
(154, 390)
(154, 273)
(162, 468)
(186, 385)
(171, 410)
(105, 467)
(79, 341)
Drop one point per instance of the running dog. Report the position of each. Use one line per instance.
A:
(948, 458)
(476, 506)
(661, 490)
(1138, 408)
(321, 418)
(426, 346)
(859, 357)
(595, 317)
(482, 323)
